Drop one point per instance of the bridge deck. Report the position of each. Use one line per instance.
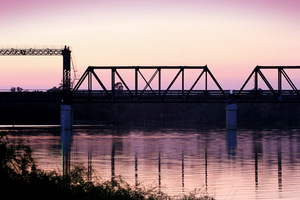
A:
(155, 96)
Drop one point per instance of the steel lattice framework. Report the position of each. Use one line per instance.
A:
(149, 93)
(45, 51)
(35, 51)
(278, 95)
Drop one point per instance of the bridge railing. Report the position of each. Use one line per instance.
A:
(265, 93)
(152, 93)
(180, 96)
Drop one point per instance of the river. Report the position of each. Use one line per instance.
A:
(243, 164)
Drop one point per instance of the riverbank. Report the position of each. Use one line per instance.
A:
(22, 179)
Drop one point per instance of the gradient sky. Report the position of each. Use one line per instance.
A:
(230, 36)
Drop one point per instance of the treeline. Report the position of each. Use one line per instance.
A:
(203, 114)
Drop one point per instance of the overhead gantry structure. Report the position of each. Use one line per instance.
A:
(45, 51)
(66, 112)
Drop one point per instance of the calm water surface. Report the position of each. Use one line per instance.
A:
(243, 164)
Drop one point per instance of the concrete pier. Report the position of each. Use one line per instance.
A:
(231, 116)
(66, 117)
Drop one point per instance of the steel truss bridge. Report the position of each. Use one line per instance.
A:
(151, 90)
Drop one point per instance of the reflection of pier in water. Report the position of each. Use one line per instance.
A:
(164, 159)
(66, 141)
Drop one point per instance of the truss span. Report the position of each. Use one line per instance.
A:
(201, 72)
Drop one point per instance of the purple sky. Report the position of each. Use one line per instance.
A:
(231, 37)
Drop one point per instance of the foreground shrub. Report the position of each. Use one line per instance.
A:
(21, 179)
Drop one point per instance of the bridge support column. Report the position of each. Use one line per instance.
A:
(66, 117)
(231, 116)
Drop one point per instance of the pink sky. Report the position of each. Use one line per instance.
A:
(231, 37)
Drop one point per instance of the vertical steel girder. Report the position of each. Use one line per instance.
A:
(113, 80)
(90, 79)
(279, 80)
(159, 81)
(66, 53)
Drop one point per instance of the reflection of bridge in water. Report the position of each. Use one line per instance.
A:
(196, 159)
(142, 88)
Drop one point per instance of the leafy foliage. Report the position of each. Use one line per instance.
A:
(21, 179)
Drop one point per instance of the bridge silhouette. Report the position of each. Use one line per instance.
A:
(118, 89)
(121, 92)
